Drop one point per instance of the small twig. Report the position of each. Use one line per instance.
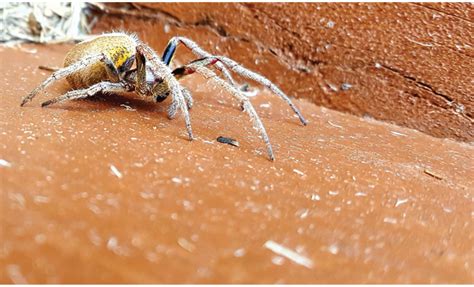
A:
(430, 173)
(46, 68)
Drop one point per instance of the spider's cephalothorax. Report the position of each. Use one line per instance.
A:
(105, 64)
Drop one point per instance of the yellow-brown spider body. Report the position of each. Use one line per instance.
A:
(118, 47)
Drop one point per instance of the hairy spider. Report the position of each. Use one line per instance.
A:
(105, 64)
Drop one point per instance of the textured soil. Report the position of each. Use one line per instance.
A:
(405, 63)
(109, 190)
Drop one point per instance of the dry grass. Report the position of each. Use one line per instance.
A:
(45, 22)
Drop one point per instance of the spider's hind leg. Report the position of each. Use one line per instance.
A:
(62, 73)
(104, 87)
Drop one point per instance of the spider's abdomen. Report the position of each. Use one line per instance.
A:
(119, 47)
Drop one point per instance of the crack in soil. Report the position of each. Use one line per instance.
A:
(442, 12)
(455, 106)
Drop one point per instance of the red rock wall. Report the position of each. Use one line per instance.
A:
(406, 63)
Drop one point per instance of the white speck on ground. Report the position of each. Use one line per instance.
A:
(113, 245)
(302, 213)
(334, 125)
(17, 198)
(128, 108)
(278, 260)
(333, 249)
(390, 220)
(400, 202)
(360, 193)
(15, 275)
(40, 238)
(346, 86)
(239, 252)
(41, 199)
(186, 245)
(290, 254)
(298, 172)
(333, 87)
(447, 209)
(398, 134)
(147, 195)
(5, 163)
(115, 171)
(166, 28)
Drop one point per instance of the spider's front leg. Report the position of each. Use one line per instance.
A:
(222, 62)
(170, 51)
(201, 66)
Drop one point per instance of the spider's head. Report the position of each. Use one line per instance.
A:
(153, 86)
(159, 89)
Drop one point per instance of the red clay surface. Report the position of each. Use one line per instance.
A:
(109, 190)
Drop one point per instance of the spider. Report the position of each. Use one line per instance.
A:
(106, 64)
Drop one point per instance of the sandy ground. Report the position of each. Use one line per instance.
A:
(109, 190)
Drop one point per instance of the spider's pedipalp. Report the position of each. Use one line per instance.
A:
(104, 87)
(162, 71)
(62, 73)
(244, 101)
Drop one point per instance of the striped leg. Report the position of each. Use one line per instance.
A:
(201, 67)
(104, 87)
(239, 69)
(170, 51)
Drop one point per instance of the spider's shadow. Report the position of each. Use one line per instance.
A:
(103, 102)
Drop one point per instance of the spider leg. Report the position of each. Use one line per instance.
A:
(188, 97)
(234, 66)
(201, 68)
(105, 87)
(170, 51)
(62, 73)
(173, 108)
(161, 70)
(239, 69)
